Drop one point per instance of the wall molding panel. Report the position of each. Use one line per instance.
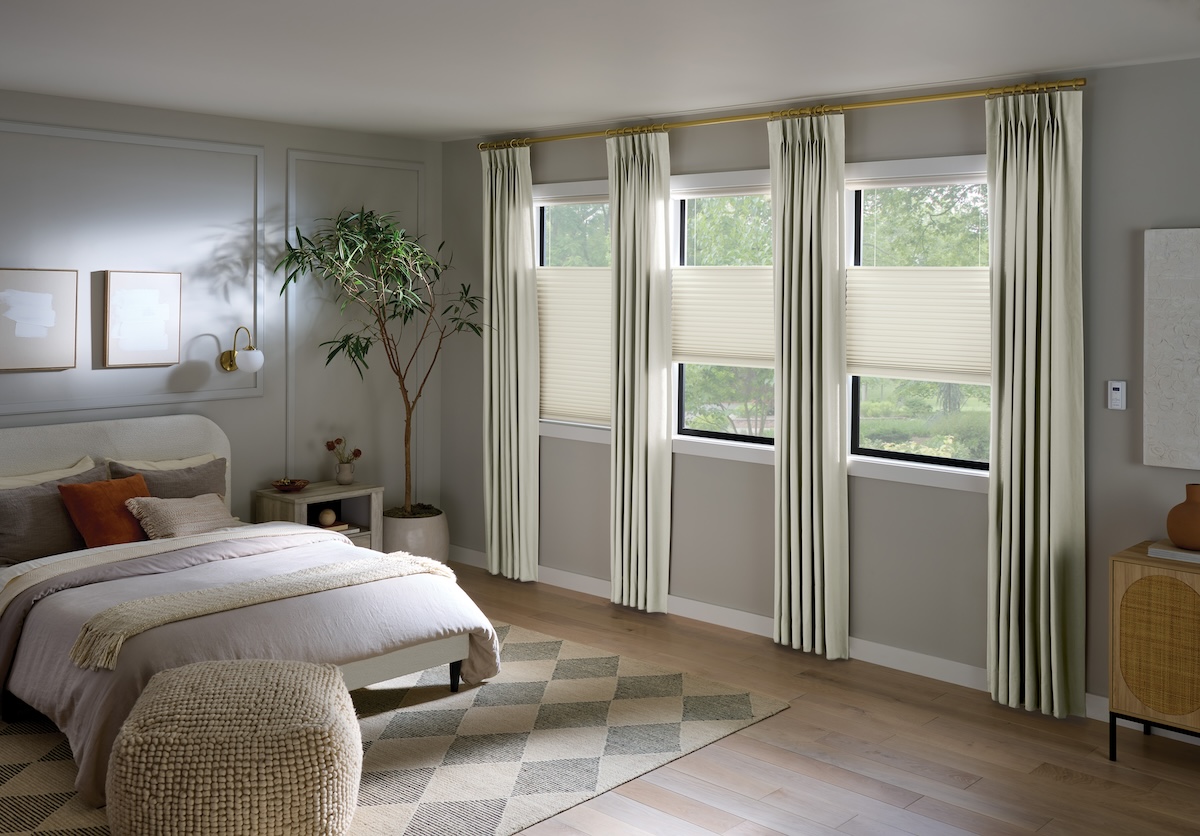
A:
(93, 200)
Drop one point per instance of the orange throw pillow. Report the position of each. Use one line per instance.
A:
(98, 510)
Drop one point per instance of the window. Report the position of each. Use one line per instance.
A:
(918, 320)
(722, 333)
(574, 283)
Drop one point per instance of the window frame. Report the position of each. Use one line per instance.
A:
(684, 188)
(886, 174)
(549, 194)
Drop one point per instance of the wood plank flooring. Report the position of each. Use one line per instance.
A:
(862, 750)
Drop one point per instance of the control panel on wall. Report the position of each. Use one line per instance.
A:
(1116, 394)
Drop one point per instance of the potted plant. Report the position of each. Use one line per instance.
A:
(379, 271)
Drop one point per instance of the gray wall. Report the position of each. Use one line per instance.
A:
(184, 192)
(918, 554)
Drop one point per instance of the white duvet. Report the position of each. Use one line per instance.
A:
(334, 626)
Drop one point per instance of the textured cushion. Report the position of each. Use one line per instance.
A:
(98, 510)
(180, 483)
(34, 521)
(180, 517)
(252, 746)
(83, 464)
(165, 464)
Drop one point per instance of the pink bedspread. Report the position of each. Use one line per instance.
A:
(335, 626)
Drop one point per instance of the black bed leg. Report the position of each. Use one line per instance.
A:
(1112, 736)
(1145, 728)
(455, 675)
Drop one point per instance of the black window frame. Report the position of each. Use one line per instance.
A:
(680, 429)
(856, 448)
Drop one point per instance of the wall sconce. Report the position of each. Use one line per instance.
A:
(248, 359)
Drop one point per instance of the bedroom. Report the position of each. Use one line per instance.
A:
(1139, 122)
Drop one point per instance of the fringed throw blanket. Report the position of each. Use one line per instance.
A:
(102, 636)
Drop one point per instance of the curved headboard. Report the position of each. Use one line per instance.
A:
(33, 449)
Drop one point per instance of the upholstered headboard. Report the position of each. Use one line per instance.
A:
(34, 449)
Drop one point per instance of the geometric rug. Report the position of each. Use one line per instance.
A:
(561, 723)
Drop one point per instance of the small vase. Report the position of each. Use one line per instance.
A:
(345, 473)
(1183, 521)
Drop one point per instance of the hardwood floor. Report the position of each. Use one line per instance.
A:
(862, 750)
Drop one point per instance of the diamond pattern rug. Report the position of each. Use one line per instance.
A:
(560, 724)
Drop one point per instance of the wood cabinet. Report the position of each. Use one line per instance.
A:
(359, 505)
(1154, 642)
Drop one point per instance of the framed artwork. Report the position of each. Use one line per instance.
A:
(1171, 360)
(38, 319)
(141, 319)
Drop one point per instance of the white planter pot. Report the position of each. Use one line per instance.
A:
(424, 536)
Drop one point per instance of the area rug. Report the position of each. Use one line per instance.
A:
(562, 723)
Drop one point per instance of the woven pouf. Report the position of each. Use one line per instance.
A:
(237, 747)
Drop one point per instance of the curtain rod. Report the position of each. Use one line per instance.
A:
(816, 110)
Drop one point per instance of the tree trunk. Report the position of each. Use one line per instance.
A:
(408, 459)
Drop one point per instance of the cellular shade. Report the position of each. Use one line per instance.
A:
(723, 316)
(924, 323)
(574, 320)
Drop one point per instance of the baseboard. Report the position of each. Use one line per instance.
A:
(458, 554)
(943, 670)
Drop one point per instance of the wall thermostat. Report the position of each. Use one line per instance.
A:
(1116, 394)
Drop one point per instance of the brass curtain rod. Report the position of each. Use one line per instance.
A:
(816, 110)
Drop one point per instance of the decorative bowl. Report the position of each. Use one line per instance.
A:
(289, 485)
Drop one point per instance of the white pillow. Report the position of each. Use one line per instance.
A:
(162, 518)
(167, 464)
(83, 464)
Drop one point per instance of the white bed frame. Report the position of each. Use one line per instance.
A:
(34, 449)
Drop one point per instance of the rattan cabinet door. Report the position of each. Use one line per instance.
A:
(1154, 662)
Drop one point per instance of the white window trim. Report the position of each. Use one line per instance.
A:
(965, 169)
(918, 473)
(581, 191)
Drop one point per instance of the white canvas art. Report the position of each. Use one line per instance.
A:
(1171, 361)
(37, 319)
(142, 319)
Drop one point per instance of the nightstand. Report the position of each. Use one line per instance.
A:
(359, 505)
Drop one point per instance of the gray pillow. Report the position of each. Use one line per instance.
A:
(183, 483)
(34, 521)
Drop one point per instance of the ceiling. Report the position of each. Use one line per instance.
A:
(450, 69)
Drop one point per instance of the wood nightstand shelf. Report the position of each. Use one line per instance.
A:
(1154, 643)
(359, 505)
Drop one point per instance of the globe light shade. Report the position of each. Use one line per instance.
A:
(250, 360)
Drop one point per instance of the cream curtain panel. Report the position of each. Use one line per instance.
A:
(1036, 554)
(639, 179)
(510, 366)
(811, 542)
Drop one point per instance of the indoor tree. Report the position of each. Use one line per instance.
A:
(379, 271)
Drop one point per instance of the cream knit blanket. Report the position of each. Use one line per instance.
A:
(103, 634)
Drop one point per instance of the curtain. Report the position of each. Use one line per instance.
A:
(1036, 550)
(510, 366)
(639, 179)
(811, 540)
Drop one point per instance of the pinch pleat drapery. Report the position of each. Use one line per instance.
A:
(639, 178)
(1036, 548)
(812, 608)
(510, 366)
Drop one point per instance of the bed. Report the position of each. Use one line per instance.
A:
(408, 617)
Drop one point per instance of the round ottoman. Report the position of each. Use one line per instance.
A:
(237, 747)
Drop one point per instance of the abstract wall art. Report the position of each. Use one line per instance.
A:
(38, 319)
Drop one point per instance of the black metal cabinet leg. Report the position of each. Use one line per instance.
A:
(1112, 736)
